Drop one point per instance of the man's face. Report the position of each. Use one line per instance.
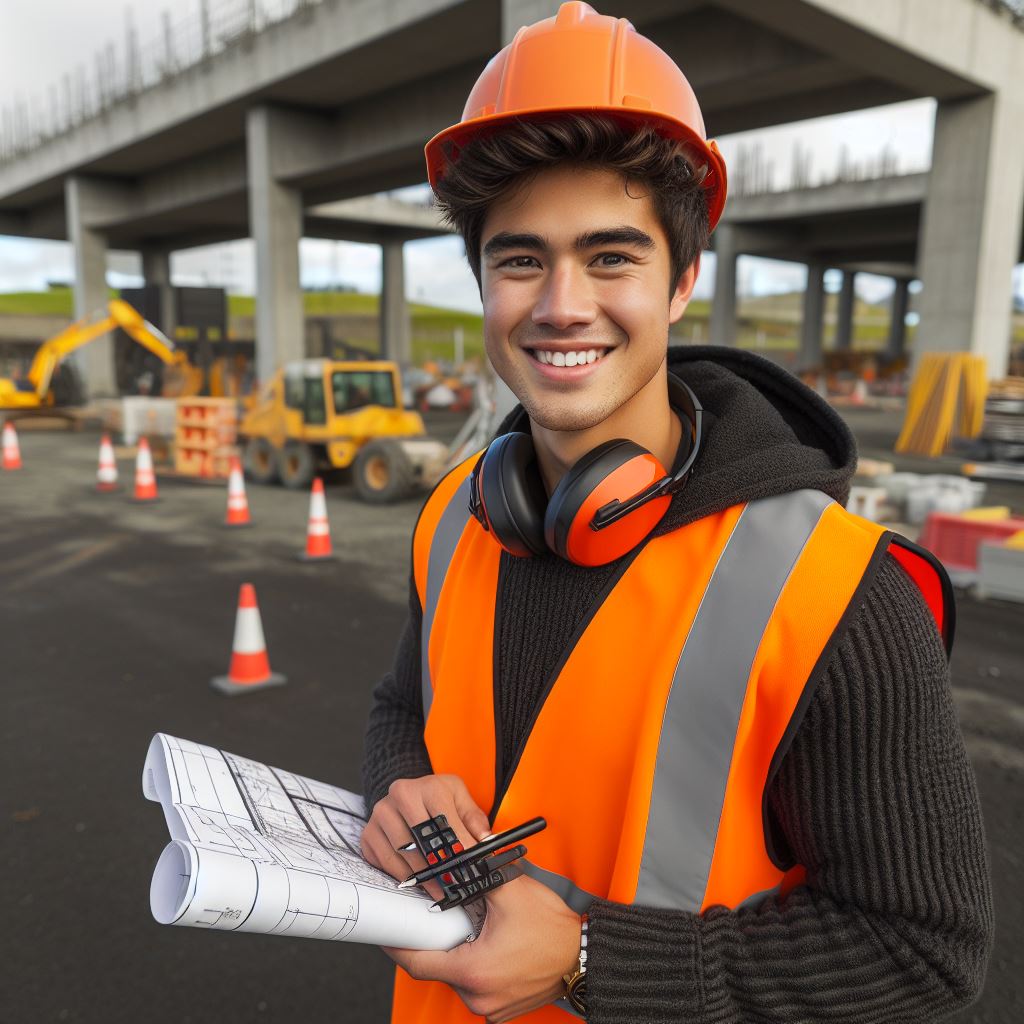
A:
(575, 285)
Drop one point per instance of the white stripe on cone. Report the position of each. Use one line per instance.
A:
(248, 632)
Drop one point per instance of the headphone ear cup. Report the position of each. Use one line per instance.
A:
(512, 494)
(617, 469)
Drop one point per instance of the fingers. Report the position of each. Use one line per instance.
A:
(476, 821)
(386, 831)
(410, 802)
(438, 794)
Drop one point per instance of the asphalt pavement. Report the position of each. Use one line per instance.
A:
(113, 619)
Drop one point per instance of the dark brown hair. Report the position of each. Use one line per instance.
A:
(496, 161)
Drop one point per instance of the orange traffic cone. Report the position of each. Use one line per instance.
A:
(12, 453)
(250, 666)
(145, 481)
(238, 503)
(318, 533)
(106, 475)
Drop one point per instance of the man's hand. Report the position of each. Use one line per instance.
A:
(410, 802)
(530, 939)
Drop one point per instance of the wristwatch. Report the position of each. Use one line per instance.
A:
(576, 982)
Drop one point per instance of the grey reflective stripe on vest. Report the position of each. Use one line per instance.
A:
(702, 713)
(442, 549)
(577, 898)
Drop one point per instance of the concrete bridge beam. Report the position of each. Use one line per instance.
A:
(275, 224)
(813, 314)
(971, 228)
(395, 322)
(95, 361)
(847, 300)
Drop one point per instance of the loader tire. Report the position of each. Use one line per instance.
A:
(260, 460)
(296, 465)
(382, 473)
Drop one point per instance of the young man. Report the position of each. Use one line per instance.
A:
(644, 614)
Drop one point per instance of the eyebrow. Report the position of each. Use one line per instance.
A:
(504, 240)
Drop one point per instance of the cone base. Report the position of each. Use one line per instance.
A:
(227, 686)
(108, 488)
(235, 526)
(145, 501)
(304, 556)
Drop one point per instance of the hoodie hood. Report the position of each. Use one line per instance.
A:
(764, 433)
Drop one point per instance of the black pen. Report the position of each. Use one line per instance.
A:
(496, 863)
(481, 849)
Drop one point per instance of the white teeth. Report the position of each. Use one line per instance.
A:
(568, 358)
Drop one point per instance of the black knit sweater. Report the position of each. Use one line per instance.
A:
(876, 797)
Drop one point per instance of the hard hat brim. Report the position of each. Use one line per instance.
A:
(461, 134)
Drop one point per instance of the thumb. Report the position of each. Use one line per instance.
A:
(474, 818)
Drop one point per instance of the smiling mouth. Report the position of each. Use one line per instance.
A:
(580, 357)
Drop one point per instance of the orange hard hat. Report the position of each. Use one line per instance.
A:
(580, 61)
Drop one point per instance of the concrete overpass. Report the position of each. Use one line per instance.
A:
(337, 101)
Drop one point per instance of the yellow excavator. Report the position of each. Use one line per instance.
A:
(35, 391)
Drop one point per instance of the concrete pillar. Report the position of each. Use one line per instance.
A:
(395, 322)
(723, 302)
(156, 270)
(813, 311)
(275, 223)
(844, 324)
(970, 229)
(95, 361)
(898, 317)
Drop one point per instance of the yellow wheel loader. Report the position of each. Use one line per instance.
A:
(35, 391)
(320, 414)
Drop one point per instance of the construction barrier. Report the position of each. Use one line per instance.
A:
(943, 383)
(955, 540)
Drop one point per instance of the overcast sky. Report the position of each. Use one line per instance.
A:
(42, 40)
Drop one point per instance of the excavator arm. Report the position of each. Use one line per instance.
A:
(74, 336)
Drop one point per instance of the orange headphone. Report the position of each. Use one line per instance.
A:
(606, 505)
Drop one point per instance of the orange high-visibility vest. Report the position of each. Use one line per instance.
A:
(653, 748)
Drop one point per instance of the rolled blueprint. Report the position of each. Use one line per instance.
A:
(258, 849)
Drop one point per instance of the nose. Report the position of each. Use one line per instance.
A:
(565, 299)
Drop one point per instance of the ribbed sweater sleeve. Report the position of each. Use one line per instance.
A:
(393, 742)
(877, 798)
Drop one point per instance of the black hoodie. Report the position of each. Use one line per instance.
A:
(876, 797)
